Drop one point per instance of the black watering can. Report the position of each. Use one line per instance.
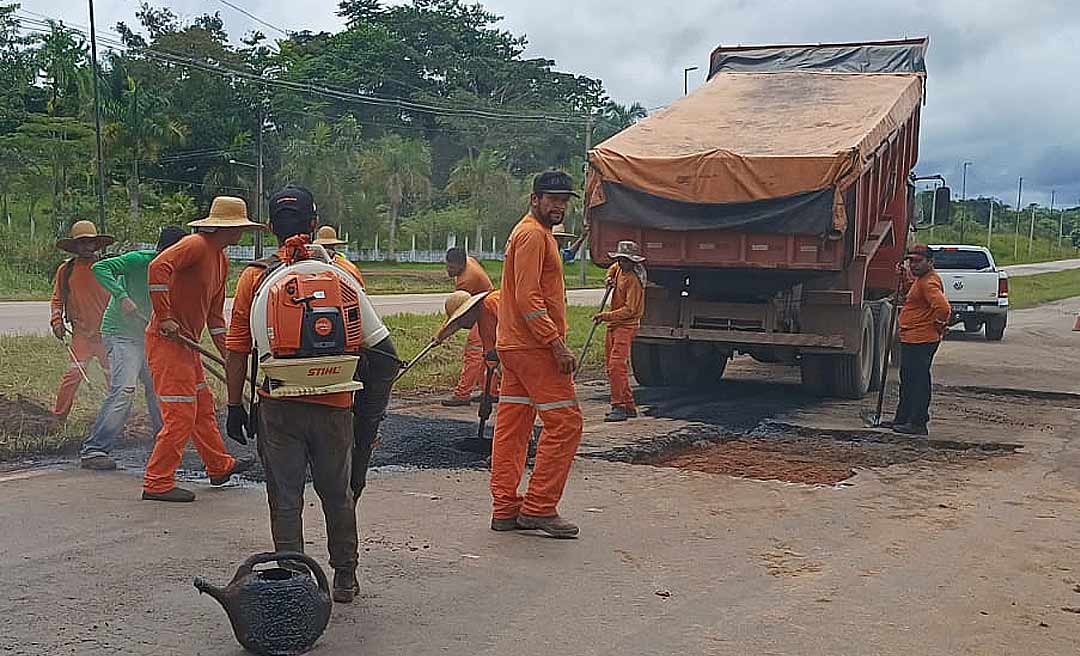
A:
(276, 611)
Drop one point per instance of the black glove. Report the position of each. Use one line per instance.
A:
(237, 424)
(492, 356)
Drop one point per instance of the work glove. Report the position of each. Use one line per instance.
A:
(236, 425)
(492, 356)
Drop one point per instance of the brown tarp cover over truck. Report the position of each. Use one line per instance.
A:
(768, 144)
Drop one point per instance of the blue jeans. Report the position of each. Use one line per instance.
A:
(127, 364)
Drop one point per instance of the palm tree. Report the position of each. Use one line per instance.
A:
(401, 168)
(482, 178)
(614, 118)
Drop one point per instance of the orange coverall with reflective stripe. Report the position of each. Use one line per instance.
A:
(623, 319)
(187, 284)
(84, 306)
(475, 281)
(532, 315)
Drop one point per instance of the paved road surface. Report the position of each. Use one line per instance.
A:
(30, 317)
(1018, 270)
(962, 553)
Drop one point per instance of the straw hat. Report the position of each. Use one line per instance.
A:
(227, 212)
(560, 231)
(457, 306)
(84, 230)
(327, 236)
(627, 250)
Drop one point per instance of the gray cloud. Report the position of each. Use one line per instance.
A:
(1001, 91)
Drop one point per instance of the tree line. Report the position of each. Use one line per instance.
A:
(414, 121)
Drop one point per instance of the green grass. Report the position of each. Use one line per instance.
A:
(1003, 244)
(1030, 291)
(34, 364)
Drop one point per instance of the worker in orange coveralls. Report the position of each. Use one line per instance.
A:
(627, 280)
(479, 312)
(469, 276)
(78, 299)
(327, 237)
(537, 370)
(187, 290)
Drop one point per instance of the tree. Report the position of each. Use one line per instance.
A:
(484, 180)
(401, 168)
(614, 118)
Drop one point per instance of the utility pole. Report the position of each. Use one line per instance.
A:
(585, 202)
(686, 79)
(1016, 242)
(1052, 193)
(990, 225)
(963, 201)
(97, 119)
(1031, 235)
(259, 186)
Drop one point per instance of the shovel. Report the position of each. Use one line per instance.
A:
(592, 331)
(874, 420)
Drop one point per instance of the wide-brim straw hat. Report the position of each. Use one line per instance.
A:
(627, 250)
(227, 212)
(327, 236)
(84, 230)
(560, 231)
(457, 306)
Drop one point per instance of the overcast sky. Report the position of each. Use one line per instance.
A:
(1003, 85)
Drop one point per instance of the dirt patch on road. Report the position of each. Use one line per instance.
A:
(797, 454)
(24, 426)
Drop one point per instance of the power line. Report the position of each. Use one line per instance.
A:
(253, 17)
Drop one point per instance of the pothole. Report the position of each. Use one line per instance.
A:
(797, 454)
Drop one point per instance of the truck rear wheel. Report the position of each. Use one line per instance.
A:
(995, 328)
(678, 364)
(854, 372)
(816, 371)
(882, 311)
(645, 360)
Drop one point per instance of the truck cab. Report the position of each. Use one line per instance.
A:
(977, 290)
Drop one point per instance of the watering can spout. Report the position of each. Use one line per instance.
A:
(202, 585)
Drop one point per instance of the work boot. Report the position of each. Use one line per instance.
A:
(176, 495)
(888, 423)
(505, 524)
(346, 586)
(555, 526)
(241, 466)
(455, 402)
(911, 429)
(98, 462)
(618, 413)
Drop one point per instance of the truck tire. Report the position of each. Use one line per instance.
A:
(882, 311)
(972, 326)
(995, 328)
(853, 372)
(645, 361)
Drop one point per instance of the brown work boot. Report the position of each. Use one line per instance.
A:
(99, 462)
(505, 524)
(618, 413)
(176, 495)
(241, 466)
(555, 526)
(455, 402)
(346, 587)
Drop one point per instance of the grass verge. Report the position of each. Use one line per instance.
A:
(1029, 291)
(33, 365)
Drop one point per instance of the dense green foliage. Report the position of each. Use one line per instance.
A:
(415, 120)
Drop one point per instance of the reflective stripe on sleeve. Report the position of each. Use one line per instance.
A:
(200, 386)
(218, 331)
(159, 288)
(535, 314)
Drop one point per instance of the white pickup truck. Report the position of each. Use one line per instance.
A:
(976, 289)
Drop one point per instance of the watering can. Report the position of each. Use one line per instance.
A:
(277, 611)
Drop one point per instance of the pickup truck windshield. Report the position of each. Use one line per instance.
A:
(964, 260)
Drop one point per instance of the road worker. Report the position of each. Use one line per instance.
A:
(295, 433)
(537, 370)
(123, 330)
(327, 237)
(187, 292)
(924, 319)
(78, 299)
(479, 311)
(626, 278)
(469, 276)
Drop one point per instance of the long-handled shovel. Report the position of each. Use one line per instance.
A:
(874, 420)
(592, 331)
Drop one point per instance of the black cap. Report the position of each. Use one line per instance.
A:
(292, 203)
(554, 182)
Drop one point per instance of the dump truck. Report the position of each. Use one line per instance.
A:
(773, 205)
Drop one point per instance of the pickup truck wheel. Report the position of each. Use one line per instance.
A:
(995, 328)
(972, 326)
(853, 372)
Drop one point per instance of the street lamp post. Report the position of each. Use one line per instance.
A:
(1019, 195)
(97, 119)
(963, 201)
(686, 79)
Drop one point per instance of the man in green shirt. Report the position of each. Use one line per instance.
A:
(123, 330)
